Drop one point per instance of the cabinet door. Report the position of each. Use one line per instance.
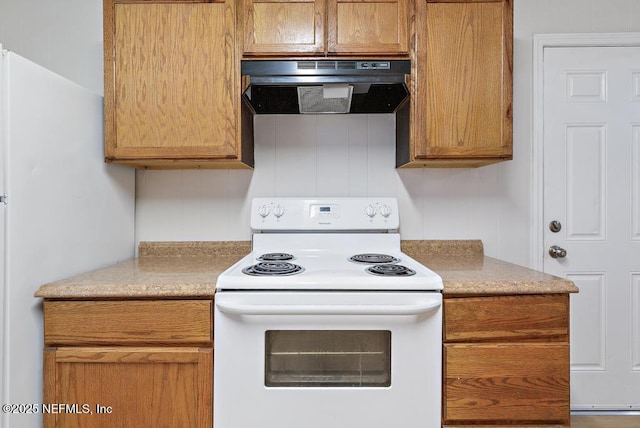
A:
(170, 82)
(283, 27)
(368, 26)
(463, 73)
(129, 387)
(506, 384)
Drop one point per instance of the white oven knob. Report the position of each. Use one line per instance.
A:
(371, 211)
(264, 210)
(278, 211)
(385, 210)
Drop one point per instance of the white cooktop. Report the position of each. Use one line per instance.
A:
(321, 235)
(329, 270)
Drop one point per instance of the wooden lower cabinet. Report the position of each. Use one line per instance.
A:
(129, 387)
(506, 361)
(150, 364)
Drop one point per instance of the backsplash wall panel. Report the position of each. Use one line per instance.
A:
(333, 155)
(321, 156)
(296, 159)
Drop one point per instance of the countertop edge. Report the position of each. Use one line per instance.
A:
(483, 288)
(118, 291)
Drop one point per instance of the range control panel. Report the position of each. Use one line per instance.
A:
(339, 214)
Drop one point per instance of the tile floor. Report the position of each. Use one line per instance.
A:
(605, 422)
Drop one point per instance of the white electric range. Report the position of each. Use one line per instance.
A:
(326, 322)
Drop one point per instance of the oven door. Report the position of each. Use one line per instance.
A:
(327, 359)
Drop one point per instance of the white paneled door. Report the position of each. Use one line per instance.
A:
(592, 190)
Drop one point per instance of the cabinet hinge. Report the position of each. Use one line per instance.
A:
(3, 199)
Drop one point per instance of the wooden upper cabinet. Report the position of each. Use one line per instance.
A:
(172, 85)
(368, 26)
(462, 83)
(325, 27)
(284, 26)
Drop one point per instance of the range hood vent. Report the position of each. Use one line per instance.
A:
(330, 98)
(327, 65)
(326, 86)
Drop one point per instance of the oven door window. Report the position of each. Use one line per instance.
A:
(328, 358)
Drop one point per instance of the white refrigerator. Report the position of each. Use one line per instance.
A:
(63, 211)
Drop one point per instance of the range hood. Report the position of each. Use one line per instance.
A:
(326, 86)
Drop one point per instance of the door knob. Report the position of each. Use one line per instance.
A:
(557, 252)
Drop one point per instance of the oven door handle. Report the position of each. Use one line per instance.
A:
(248, 309)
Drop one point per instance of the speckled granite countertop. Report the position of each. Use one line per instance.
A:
(162, 269)
(466, 271)
(190, 269)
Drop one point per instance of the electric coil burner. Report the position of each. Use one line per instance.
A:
(327, 309)
(390, 270)
(273, 268)
(275, 257)
(374, 258)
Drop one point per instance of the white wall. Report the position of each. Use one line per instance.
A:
(63, 36)
(327, 155)
(324, 155)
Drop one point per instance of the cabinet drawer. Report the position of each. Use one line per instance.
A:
(527, 383)
(530, 317)
(128, 322)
